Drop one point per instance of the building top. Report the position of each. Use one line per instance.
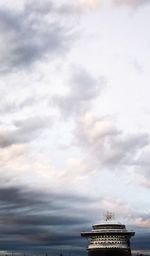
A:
(109, 235)
(108, 226)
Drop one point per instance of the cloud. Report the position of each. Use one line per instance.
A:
(144, 180)
(14, 106)
(90, 3)
(39, 7)
(118, 207)
(132, 3)
(142, 176)
(104, 146)
(93, 4)
(83, 89)
(51, 211)
(143, 223)
(12, 197)
(30, 218)
(142, 167)
(23, 131)
(65, 8)
(31, 34)
(107, 145)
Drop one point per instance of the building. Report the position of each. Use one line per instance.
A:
(108, 238)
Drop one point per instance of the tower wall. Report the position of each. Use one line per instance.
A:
(109, 252)
(108, 239)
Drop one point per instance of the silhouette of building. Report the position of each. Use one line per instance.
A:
(109, 239)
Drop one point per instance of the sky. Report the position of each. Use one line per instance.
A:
(75, 121)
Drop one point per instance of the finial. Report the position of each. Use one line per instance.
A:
(109, 216)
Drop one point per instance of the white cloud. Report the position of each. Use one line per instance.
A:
(109, 146)
(132, 3)
(90, 3)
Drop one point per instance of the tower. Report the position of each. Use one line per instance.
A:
(109, 239)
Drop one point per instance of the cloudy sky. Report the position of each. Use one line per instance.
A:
(75, 121)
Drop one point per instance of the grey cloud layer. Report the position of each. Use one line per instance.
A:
(37, 31)
(30, 218)
(83, 88)
(31, 34)
(23, 131)
(14, 106)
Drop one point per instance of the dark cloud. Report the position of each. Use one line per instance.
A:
(30, 34)
(83, 88)
(30, 218)
(24, 130)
